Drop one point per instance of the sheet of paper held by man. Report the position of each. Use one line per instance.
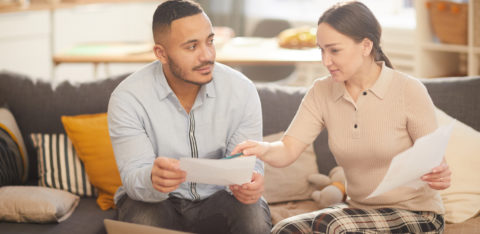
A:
(407, 167)
(221, 172)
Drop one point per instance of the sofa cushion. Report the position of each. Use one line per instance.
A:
(87, 218)
(290, 183)
(89, 134)
(13, 157)
(279, 106)
(462, 198)
(59, 166)
(457, 96)
(35, 204)
(38, 105)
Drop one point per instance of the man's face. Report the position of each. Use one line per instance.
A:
(189, 49)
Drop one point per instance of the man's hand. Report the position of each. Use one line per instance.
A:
(249, 193)
(166, 174)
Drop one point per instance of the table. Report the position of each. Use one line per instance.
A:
(234, 52)
(237, 51)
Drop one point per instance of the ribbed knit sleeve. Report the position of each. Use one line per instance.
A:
(419, 110)
(308, 121)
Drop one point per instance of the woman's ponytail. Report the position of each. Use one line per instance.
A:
(380, 56)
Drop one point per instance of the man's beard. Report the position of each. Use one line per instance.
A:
(180, 74)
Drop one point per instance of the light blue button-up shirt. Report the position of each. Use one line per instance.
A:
(146, 120)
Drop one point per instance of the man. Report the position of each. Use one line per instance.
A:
(185, 105)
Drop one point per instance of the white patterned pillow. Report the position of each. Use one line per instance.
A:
(59, 166)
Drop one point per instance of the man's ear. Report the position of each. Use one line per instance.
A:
(367, 46)
(160, 53)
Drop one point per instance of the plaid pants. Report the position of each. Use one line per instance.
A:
(342, 219)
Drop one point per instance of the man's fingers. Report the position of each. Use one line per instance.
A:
(165, 174)
(166, 182)
(246, 199)
(164, 189)
(170, 164)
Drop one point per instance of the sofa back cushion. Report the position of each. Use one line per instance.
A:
(38, 105)
(279, 106)
(459, 97)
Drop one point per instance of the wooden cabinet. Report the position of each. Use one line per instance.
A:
(436, 59)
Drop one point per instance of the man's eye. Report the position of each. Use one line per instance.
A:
(192, 47)
(210, 42)
(335, 51)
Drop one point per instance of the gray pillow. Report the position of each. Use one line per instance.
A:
(35, 204)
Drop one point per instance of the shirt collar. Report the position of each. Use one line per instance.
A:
(380, 87)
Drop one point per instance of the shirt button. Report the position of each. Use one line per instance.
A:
(355, 126)
(364, 93)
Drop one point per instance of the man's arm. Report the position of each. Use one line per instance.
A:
(251, 127)
(133, 151)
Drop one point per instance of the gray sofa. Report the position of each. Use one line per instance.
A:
(37, 107)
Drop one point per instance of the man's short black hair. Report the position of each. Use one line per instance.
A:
(172, 10)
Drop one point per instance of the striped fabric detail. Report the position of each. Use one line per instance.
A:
(194, 150)
(11, 163)
(59, 166)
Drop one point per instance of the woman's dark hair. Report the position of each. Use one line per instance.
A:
(356, 21)
(172, 10)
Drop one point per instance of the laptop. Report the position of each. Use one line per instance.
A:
(119, 227)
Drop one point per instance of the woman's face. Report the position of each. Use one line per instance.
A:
(341, 55)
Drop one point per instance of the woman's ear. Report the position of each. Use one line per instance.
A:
(367, 47)
(160, 53)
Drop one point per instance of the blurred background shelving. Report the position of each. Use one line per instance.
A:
(436, 59)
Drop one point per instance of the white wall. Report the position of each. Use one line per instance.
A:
(25, 44)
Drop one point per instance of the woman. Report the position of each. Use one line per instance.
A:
(372, 113)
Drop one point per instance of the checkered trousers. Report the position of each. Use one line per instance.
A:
(342, 219)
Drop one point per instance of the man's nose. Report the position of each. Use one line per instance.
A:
(208, 53)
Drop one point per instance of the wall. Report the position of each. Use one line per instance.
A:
(26, 37)
(24, 43)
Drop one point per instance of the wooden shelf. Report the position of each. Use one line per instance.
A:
(435, 59)
(445, 47)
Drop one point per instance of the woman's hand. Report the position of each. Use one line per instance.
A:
(252, 148)
(440, 177)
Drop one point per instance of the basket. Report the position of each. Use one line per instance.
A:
(449, 21)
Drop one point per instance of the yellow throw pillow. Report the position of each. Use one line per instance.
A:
(89, 136)
(462, 198)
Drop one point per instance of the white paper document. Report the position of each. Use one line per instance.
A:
(219, 171)
(407, 167)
